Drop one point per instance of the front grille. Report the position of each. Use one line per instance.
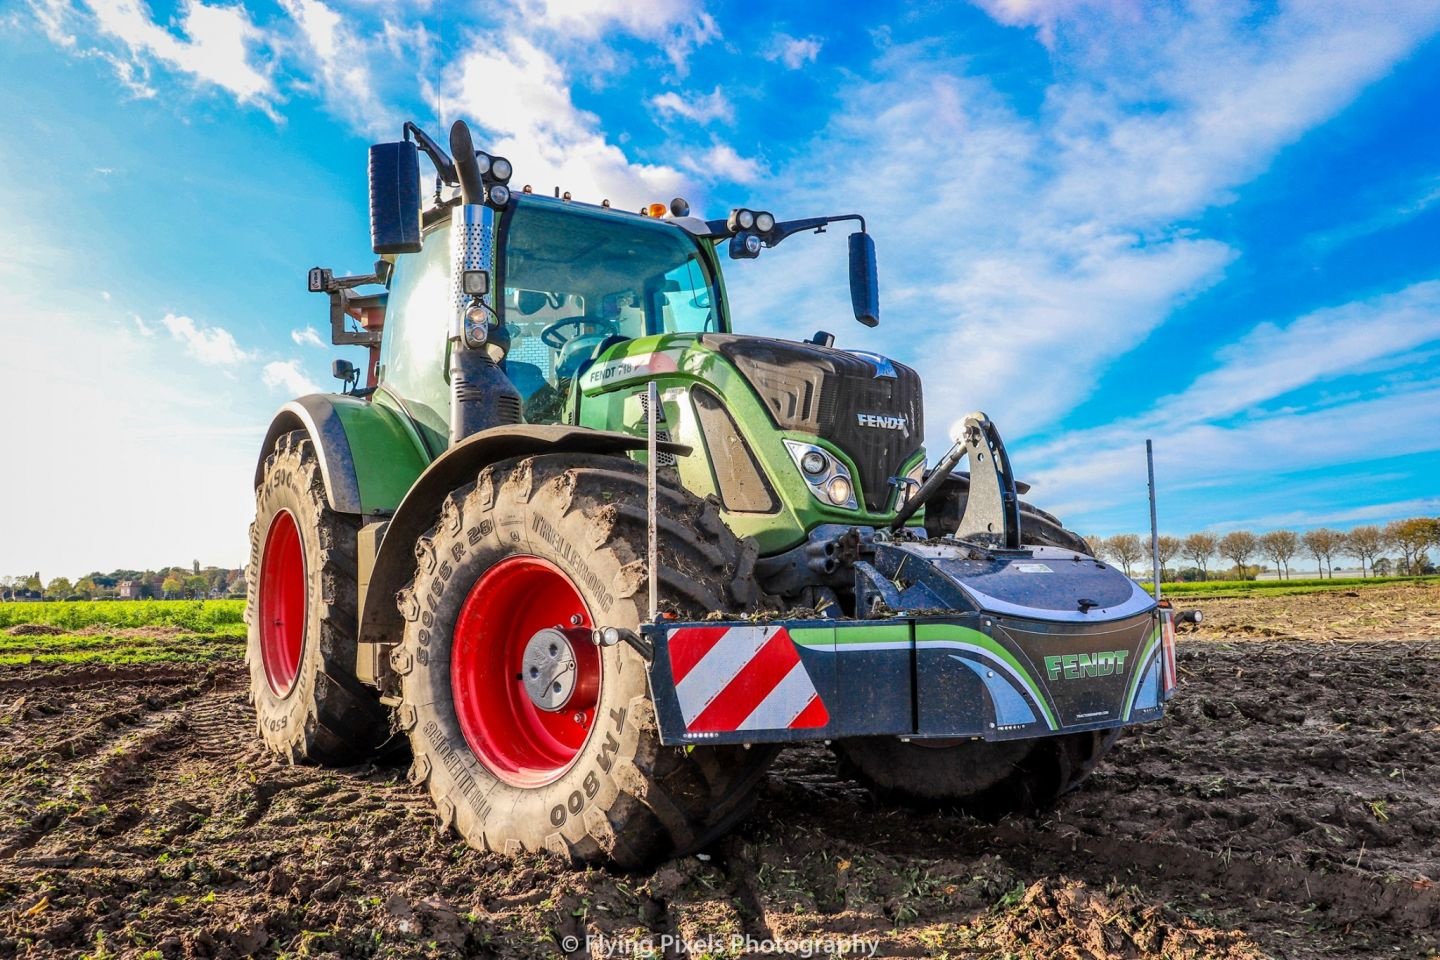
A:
(826, 392)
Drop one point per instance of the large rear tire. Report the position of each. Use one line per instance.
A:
(522, 566)
(986, 779)
(301, 611)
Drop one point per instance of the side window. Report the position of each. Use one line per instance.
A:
(412, 353)
(687, 306)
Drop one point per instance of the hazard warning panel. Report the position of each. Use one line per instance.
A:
(736, 678)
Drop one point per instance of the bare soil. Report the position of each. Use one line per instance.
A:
(1288, 806)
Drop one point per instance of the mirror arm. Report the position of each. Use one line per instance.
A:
(720, 229)
(444, 166)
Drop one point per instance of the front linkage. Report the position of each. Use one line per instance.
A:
(970, 635)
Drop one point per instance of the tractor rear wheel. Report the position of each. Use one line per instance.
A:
(301, 611)
(528, 736)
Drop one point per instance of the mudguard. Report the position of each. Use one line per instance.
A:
(380, 622)
(369, 456)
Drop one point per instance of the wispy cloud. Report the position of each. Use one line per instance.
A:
(287, 376)
(539, 128)
(722, 163)
(676, 26)
(216, 45)
(307, 337)
(341, 57)
(794, 52)
(212, 345)
(1038, 250)
(701, 108)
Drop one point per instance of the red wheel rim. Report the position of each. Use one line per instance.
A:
(521, 743)
(282, 603)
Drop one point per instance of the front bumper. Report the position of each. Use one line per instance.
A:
(968, 675)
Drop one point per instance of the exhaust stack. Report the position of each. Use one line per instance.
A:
(481, 395)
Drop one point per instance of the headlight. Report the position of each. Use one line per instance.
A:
(500, 169)
(828, 479)
(499, 194)
(483, 159)
(764, 221)
(741, 219)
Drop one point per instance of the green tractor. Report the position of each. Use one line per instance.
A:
(597, 557)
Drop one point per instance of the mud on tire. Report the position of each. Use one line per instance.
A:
(623, 798)
(323, 715)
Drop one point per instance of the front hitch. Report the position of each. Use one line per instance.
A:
(992, 509)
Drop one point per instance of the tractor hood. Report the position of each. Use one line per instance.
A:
(865, 404)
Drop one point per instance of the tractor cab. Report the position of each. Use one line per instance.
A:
(578, 280)
(572, 281)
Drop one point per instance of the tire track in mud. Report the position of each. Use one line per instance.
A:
(101, 768)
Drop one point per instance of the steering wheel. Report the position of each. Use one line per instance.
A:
(551, 337)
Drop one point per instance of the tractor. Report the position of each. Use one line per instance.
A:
(595, 557)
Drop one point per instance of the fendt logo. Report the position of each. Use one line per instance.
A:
(1077, 665)
(880, 421)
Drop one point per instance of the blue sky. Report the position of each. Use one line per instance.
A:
(1217, 225)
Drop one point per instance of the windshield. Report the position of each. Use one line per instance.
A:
(577, 279)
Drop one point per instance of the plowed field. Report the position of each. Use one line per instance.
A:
(1288, 806)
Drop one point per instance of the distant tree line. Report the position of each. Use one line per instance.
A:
(1399, 547)
(168, 583)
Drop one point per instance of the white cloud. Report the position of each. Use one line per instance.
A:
(701, 108)
(289, 378)
(308, 337)
(794, 52)
(342, 58)
(212, 345)
(217, 47)
(1199, 446)
(1034, 250)
(538, 127)
(722, 163)
(145, 329)
(678, 26)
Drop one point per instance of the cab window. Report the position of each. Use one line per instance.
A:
(577, 281)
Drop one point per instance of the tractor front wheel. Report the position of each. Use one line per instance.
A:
(301, 611)
(528, 735)
(987, 780)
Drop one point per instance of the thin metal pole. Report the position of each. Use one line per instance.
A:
(1154, 526)
(652, 549)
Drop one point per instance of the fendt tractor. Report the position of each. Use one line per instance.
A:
(598, 557)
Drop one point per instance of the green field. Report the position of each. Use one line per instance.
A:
(139, 631)
(1278, 588)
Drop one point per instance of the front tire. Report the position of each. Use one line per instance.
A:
(988, 779)
(301, 611)
(523, 564)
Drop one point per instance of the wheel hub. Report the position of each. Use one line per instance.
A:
(548, 669)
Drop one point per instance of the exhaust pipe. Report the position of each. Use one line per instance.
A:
(481, 395)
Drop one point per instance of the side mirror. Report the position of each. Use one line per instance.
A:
(864, 288)
(395, 197)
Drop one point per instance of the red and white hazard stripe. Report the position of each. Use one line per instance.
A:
(742, 678)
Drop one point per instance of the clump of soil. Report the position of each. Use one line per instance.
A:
(34, 630)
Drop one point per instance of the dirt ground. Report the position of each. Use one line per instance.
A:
(1289, 806)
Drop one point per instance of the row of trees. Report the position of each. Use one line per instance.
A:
(167, 583)
(1399, 547)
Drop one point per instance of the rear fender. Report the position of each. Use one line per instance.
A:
(369, 457)
(381, 623)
